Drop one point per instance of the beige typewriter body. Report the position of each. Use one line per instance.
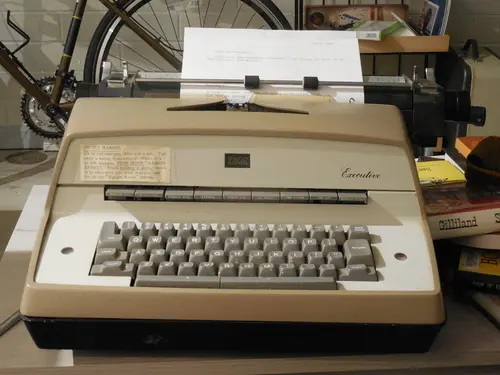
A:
(321, 145)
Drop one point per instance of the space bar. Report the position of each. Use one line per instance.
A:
(291, 283)
(161, 281)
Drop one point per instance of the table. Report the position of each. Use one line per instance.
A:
(467, 340)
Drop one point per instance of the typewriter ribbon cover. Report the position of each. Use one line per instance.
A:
(109, 162)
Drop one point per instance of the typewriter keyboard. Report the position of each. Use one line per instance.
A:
(234, 256)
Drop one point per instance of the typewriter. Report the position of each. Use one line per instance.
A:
(294, 225)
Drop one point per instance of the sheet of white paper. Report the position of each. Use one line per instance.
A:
(217, 53)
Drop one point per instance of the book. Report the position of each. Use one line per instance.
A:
(406, 29)
(375, 30)
(489, 305)
(459, 210)
(434, 17)
(479, 269)
(436, 172)
(490, 241)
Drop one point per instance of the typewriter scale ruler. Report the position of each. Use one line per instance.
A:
(398, 81)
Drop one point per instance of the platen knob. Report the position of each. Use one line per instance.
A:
(459, 108)
(477, 116)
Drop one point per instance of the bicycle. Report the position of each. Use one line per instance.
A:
(46, 103)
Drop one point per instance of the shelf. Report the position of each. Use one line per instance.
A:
(406, 44)
(326, 17)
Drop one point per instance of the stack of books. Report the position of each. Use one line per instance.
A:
(454, 207)
(467, 217)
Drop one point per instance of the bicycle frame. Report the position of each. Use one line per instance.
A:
(24, 78)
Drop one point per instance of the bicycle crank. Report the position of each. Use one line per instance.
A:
(47, 123)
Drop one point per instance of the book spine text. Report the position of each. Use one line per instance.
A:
(464, 224)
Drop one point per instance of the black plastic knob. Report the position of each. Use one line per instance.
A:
(477, 116)
(459, 109)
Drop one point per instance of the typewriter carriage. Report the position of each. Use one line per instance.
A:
(433, 97)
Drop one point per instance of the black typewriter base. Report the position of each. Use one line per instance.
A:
(298, 338)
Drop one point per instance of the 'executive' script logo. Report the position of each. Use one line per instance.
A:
(348, 173)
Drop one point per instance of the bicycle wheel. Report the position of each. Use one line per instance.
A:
(114, 43)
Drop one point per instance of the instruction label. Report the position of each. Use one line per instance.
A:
(124, 163)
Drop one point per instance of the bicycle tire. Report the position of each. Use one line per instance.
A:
(101, 43)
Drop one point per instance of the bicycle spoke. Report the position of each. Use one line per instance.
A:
(237, 13)
(154, 31)
(166, 43)
(175, 32)
(129, 63)
(142, 18)
(157, 20)
(251, 18)
(199, 13)
(187, 17)
(137, 53)
(220, 13)
(205, 19)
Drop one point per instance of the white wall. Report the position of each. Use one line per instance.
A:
(46, 21)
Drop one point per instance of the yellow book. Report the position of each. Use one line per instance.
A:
(479, 269)
(439, 172)
(481, 262)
